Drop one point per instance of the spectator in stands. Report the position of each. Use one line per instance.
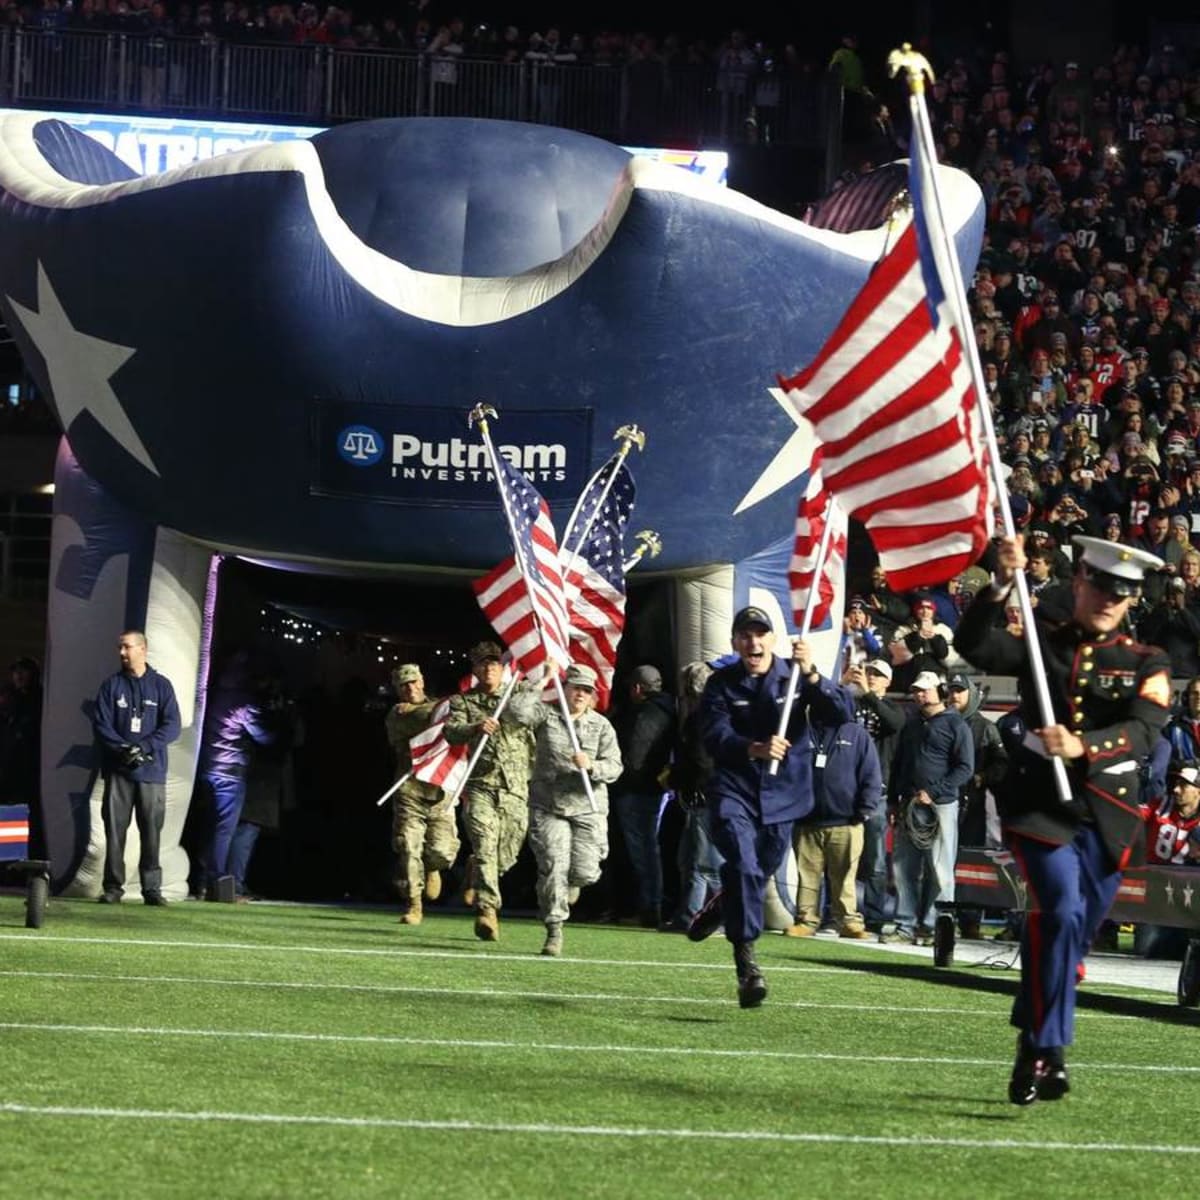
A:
(923, 645)
(1172, 839)
(861, 640)
(1183, 730)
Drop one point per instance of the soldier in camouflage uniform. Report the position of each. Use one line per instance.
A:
(423, 830)
(496, 798)
(569, 838)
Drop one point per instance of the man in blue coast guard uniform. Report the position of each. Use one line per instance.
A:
(1111, 698)
(753, 811)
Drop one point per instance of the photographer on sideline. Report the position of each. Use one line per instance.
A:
(135, 719)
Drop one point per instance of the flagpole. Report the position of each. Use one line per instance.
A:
(630, 436)
(479, 416)
(916, 67)
(393, 789)
(474, 759)
(810, 605)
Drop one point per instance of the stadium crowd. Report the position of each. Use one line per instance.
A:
(1086, 309)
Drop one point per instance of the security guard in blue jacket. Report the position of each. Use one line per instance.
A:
(1111, 698)
(135, 718)
(753, 810)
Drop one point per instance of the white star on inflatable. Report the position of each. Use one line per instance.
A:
(79, 367)
(1187, 895)
(1169, 888)
(789, 463)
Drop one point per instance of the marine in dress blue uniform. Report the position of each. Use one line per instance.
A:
(1111, 699)
(752, 810)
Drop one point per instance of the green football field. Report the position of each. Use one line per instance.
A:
(266, 1051)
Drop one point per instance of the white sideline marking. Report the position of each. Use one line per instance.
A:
(495, 993)
(597, 1131)
(567, 1047)
(478, 956)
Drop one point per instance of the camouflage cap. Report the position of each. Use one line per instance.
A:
(406, 673)
(483, 652)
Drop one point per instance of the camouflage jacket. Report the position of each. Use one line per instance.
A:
(506, 758)
(557, 785)
(400, 728)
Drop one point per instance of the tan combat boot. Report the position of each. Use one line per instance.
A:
(487, 924)
(554, 940)
(412, 915)
(433, 885)
(470, 894)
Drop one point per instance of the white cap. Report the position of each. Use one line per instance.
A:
(880, 667)
(926, 679)
(1113, 566)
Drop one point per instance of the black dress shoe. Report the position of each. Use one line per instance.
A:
(708, 920)
(1055, 1082)
(154, 899)
(1028, 1075)
(110, 898)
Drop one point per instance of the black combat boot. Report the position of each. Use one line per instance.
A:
(752, 987)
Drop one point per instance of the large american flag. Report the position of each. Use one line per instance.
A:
(523, 597)
(594, 570)
(814, 509)
(891, 398)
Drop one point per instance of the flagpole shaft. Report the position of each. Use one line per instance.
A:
(958, 304)
(566, 712)
(810, 605)
(474, 759)
(393, 789)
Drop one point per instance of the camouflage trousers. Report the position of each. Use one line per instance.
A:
(569, 851)
(423, 835)
(496, 822)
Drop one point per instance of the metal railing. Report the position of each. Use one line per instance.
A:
(640, 102)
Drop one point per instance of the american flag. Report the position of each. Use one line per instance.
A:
(811, 516)
(523, 597)
(595, 572)
(891, 399)
(434, 760)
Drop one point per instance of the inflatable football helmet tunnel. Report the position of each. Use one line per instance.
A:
(272, 354)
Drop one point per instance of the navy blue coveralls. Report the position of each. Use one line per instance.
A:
(1115, 694)
(753, 810)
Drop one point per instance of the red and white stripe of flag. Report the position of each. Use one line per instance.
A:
(890, 398)
(597, 613)
(434, 760)
(811, 515)
(504, 598)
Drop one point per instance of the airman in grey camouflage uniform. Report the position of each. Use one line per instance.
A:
(568, 838)
(496, 797)
(423, 829)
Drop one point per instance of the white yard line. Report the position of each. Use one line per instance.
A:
(478, 955)
(523, 994)
(567, 1047)
(597, 1131)
(514, 994)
